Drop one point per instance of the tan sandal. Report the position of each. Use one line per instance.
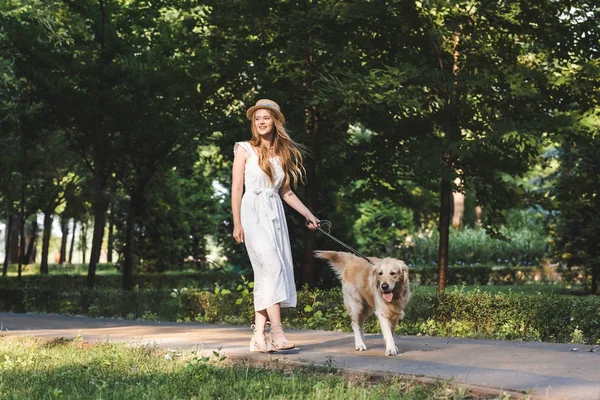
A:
(259, 344)
(278, 339)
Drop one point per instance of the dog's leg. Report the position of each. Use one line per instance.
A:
(358, 320)
(359, 343)
(387, 329)
(357, 315)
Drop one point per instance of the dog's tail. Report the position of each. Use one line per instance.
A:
(337, 259)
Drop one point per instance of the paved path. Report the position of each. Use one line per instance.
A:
(547, 371)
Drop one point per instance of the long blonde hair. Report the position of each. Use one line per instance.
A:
(288, 151)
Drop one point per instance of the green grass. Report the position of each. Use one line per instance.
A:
(34, 369)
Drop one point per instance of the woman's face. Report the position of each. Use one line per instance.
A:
(263, 122)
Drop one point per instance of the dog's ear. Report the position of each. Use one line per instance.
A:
(375, 267)
(404, 273)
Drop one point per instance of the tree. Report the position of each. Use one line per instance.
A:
(573, 69)
(450, 91)
(77, 99)
(160, 61)
(279, 50)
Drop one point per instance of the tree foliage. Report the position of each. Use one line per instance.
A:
(135, 106)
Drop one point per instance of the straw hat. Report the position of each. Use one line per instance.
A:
(267, 105)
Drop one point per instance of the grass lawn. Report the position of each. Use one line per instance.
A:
(34, 369)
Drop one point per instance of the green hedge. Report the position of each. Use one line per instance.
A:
(61, 269)
(512, 316)
(475, 314)
(206, 280)
(478, 275)
(149, 304)
(527, 244)
(200, 280)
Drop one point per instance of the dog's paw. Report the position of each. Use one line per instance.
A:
(401, 315)
(360, 347)
(391, 352)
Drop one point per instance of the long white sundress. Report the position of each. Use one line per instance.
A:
(266, 234)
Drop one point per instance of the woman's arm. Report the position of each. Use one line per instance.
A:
(293, 201)
(237, 190)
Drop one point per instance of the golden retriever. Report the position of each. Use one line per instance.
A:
(382, 289)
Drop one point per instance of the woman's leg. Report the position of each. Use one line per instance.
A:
(274, 313)
(259, 342)
(278, 338)
(260, 320)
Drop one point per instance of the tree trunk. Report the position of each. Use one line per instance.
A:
(101, 171)
(9, 227)
(99, 207)
(444, 229)
(31, 243)
(129, 243)
(458, 209)
(478, 216)
(110, 246)
(46, 241)
(21, 235)
(308, 265)
(83, 241)
(14, 240)
(311, 126)
(446, 203)
(595, 289)
(64, 228)
(70, 261)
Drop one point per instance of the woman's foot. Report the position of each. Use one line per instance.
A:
(278, 339)
(258, 342)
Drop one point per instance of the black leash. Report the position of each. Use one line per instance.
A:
(328, 225)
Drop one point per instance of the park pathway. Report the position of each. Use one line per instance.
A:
(543, 370)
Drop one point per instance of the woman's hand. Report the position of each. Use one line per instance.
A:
(312, 222)
(238, 233)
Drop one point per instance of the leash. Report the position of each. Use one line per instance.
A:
(327, 224)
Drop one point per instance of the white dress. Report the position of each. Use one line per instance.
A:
(266, 234)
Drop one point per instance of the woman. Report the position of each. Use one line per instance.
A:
(268, 165)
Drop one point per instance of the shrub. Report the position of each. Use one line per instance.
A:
(526, 244)
(11, 299)
(477, 314)
(200, 280)
(61, 269)
(99, 302)
(479, 275)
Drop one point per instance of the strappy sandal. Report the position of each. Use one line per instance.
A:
(278, 339)
(259, 345)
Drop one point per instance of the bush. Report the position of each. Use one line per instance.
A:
(95, 302)
(516, 316)
(526, 244)
(11, 299)
(204, 280)
(61, 269)
(480, 275)
(476, 314)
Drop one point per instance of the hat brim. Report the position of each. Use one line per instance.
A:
(252, 109)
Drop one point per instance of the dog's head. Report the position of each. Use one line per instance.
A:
(391, 275)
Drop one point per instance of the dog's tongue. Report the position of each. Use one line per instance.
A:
(388, 296)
